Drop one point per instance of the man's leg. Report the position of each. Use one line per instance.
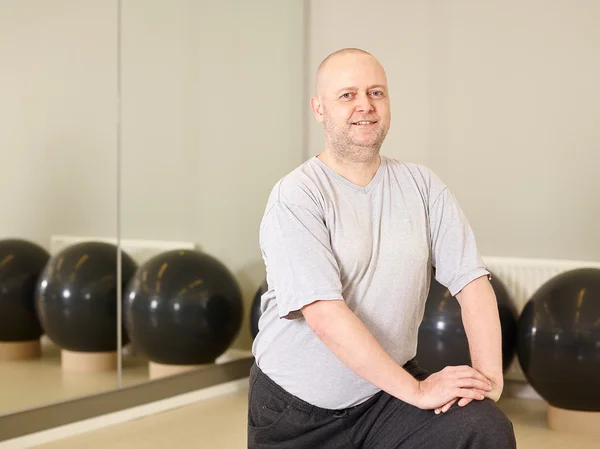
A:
(277, 419)
(393, 423)
(478, 425)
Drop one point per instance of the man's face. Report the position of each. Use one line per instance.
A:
(353, 104)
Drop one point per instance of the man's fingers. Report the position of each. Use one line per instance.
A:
(470, 394)
(475, 384)
(461, 383)
(463, 402)
(446, 407)
(465, 371)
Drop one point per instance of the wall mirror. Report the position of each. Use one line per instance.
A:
(142, 141)
(59, 192)
(212, 116)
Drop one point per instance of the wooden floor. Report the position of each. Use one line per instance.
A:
(220, 423)
(27, 384)
(31, 383)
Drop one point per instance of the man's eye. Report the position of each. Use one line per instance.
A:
(346, 95)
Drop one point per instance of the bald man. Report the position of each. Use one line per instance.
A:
(350, 239)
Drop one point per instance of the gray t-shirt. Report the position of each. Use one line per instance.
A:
(324, 238)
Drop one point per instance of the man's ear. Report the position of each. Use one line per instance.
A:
(317, 108)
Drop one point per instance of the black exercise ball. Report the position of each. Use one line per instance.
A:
(559, 340)
(77, 296)
(183, 307)
(255, 310)
(21, 263)
(442, 340)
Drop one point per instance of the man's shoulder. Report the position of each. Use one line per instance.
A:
(423, 176)
(298, 187)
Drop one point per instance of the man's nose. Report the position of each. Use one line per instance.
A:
(364, 103)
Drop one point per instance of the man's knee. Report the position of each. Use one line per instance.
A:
(483, 424)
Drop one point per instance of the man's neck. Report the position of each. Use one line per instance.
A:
(360, 173)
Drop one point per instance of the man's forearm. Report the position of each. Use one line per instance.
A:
(480, 317)
(349, 339)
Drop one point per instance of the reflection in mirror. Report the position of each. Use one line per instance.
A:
(57, 286)
(212, 116)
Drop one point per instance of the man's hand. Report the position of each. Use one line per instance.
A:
(494, 394)
(449, 384)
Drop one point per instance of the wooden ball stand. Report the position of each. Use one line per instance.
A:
(20, 350)
(88, 362)
(574, 421)
(158, 370)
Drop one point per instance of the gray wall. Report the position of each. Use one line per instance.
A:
(501, 99)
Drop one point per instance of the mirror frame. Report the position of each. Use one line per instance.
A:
(29, 421)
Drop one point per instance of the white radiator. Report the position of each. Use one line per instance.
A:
(522, 277)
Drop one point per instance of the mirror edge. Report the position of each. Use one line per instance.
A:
(51, 416)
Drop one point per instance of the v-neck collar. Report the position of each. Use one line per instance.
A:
(366, 189)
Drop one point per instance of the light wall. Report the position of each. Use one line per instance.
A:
(500, 98)
(211, 117)
(58, 113)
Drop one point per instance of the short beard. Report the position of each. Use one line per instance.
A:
(344, 149)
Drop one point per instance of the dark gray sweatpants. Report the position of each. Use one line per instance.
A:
(277, 419)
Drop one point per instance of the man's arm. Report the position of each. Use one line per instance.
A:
(480, 318)
(479, 309)
(350, 340)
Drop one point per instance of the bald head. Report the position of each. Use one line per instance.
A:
(353, 104)
(333, 65)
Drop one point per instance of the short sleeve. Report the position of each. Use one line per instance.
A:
(301, 267)
(455, 256)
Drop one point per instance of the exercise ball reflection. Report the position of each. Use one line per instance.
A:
(183, 307)
(21, 263)
(76, 296)
(559, 340)
(442, 339)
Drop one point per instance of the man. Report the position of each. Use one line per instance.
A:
(349, 240)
